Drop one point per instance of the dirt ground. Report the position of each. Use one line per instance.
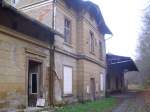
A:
(133, 101)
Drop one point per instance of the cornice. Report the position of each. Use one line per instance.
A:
(79, 57)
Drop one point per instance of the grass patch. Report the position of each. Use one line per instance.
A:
(103, 105)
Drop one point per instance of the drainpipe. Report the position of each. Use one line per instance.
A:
(106, 74)
(52, 60)
(51, 74)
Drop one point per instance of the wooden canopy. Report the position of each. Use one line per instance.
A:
(120, 63)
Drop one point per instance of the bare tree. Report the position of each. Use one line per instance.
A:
(144, 47)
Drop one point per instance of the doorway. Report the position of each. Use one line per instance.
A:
(92, 83)
(34, 82)
(117, 83)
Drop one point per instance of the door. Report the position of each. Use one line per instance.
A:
(34, 82)
(93, 89)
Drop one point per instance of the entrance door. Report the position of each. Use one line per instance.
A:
(34, 82)
(93, 89)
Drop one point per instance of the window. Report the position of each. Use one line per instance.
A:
(67, 84)
(102, 82)
(67, 31)
(34, 83)
(101, 50)
(91, 43)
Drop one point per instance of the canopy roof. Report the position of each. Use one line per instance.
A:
(121, 63)
(94, 11)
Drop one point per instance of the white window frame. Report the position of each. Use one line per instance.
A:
(65, 86)
(31, 83)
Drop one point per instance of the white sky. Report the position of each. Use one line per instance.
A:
(123, 19)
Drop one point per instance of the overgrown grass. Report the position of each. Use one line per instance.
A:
(103, 105)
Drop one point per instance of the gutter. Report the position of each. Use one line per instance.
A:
(109, 37)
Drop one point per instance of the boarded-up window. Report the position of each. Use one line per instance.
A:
(102, 82)
(67, 31)
(67, 80)
(91, 42)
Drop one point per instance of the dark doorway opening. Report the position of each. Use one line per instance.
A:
(93, 89)
(34, 82)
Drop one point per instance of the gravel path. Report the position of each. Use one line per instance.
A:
(131, 102)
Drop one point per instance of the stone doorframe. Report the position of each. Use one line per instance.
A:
(33, 57)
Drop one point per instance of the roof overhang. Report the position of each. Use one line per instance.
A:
(121, 63)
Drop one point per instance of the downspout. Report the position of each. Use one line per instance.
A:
(52, 60)
(51, 74)
(106, 74)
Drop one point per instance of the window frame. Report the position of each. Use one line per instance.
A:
(67, 30)
(91, 42)
(36, 82)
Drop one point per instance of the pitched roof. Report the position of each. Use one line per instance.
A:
(93, 10)
(14, 19)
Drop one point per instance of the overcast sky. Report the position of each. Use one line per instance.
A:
(123, 18)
